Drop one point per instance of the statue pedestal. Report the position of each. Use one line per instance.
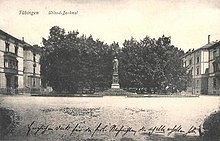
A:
(115, 86)
(115, 81)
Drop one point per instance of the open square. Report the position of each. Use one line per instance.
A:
(66, 116)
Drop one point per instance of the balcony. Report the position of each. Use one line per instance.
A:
(11, 70)
(10, 63)
(10, 55)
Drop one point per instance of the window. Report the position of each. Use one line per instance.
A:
(13, 64)
(16, 65)
(197, 71)
(214, 54)
(16, 50)
(197, 60)
(214, 83)
(214, 67)
(34, 57)
(34, 82)
(6, 63)
(197, 83)
(218, 67)
(190, 72)
(34, 70)
(190, 61)
(10, 64)
(7, 46)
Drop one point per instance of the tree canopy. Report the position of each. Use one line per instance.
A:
(152, 64)
(71, 62)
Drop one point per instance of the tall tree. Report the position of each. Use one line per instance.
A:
(152, 64)
(70, 62)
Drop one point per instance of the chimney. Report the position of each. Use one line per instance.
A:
(23, 39)
(208, 39)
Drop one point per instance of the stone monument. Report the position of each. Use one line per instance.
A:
(115, 79)
(115, 87)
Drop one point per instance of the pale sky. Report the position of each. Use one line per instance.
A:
(188, 22)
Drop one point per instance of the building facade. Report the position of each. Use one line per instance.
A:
(201, 65)
(214, 69)
(196, 62)
(19, 65)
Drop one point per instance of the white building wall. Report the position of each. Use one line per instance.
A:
(20, 51)
(211, 54)
(11, 47)
(2, 45)
(20, 81)
(37, 69)
(205, 56)
(204, 61)
(37, 57)
(25, 81)
(204, 66)
(2, 49)
(28, 55)
(28, 67)
(2, 80)
(1, 61)
(211, 68)
(20, 65)
(218, 50)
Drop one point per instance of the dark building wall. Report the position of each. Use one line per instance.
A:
(204, 85)
(214, 85)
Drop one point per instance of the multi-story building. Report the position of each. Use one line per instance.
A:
(19, 65)
(214, 69)
(202, 67)
(196, 62)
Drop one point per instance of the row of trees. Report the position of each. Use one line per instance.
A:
(71, 62)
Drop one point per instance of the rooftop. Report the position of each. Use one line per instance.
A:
(25, 44)
(207, 46)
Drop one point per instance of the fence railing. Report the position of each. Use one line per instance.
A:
(11, 91)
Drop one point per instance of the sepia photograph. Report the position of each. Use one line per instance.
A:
(109, 70)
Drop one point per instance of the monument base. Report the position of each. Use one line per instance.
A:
(115, 86)
(114, 92)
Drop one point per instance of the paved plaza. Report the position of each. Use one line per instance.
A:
(107, 118)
